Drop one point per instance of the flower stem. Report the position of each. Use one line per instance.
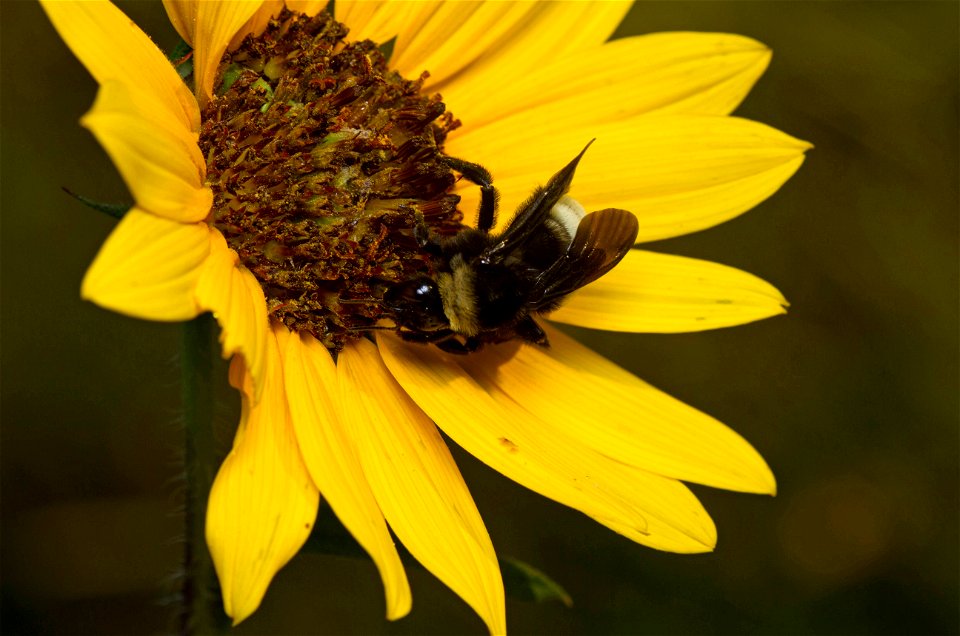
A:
(200, 612)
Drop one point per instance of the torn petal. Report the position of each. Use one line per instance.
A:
(236, 299)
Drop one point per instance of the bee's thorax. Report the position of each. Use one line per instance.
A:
(458, 292)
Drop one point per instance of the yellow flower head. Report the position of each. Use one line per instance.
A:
(306, 178)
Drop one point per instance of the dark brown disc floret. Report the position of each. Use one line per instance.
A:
(322, 161)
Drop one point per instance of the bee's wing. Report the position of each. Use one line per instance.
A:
(534, 212)
(603, 238)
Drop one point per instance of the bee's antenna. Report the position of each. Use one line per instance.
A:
(371, 328)
(360, 301)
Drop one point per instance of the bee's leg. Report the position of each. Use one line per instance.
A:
(444, 339)
(476, 173)
(426, 337)
(529, 330)
(454, 346)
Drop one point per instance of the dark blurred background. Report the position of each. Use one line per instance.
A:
(852, 397)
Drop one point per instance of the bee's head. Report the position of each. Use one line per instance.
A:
(416, 304)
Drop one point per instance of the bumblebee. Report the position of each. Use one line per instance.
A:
(488, 288)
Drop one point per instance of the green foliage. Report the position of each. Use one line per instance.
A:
(520, 580)
(182, 58)
(526, 583)
(116, 210)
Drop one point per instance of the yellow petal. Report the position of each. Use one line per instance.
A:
(417, 484)
(257, 23)
(382, 20)
(217, 23)
(695, 73)
(659, 293)
(490, 424)
(307, 7)
(160, 164)
(183, 16)
(552, 30)
(236, 299)
(239, 378)
(263, 503)
(149, 267)
(330, 454)
(612, 411)
(117, 97)
(677, 173)
(209, 27)
(112, 47)
(459, 33)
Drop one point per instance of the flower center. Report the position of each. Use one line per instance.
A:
(321, 162)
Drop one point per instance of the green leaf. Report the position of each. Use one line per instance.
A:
(526, 583)
(520, 580)
(386, 49)
(179, 51)
(230, 75)
(116, 210)
(262, 83)
(182, 59)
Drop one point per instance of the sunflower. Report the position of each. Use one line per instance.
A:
(284, 189)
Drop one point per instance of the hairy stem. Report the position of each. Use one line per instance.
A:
(201, 612)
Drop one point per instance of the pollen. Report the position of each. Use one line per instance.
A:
(322, 161)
